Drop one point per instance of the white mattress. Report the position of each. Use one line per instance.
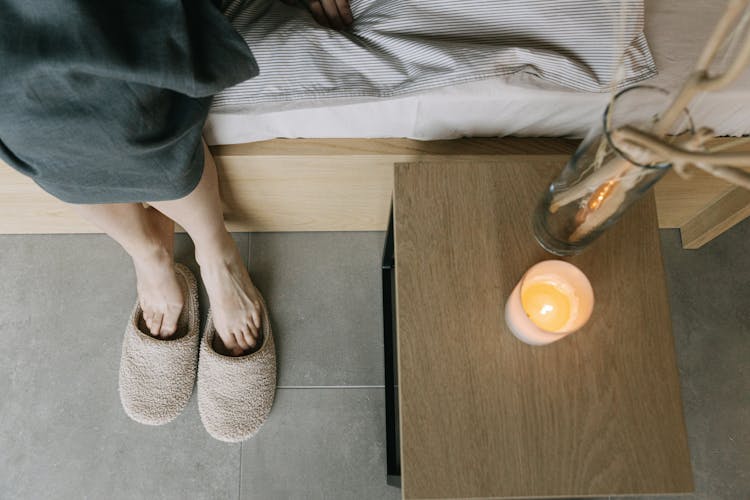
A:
(519, 104)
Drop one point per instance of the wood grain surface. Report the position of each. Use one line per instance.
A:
(725, 212)
(338, 184)
(678, 201)
(484, 415)
(400, 147)
(287, 184)
(333, 184)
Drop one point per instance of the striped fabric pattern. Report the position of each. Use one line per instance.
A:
(396, 47)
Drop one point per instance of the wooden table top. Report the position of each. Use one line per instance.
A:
(485, 415)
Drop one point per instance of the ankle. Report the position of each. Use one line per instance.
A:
(152, 251)
(218, 249)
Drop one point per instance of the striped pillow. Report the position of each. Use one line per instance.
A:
(397, 47)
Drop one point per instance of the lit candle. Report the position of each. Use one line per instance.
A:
(552, 300)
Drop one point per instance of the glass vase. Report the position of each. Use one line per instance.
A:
(600, 182)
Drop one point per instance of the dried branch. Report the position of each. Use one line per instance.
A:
(664, 152)
(649, 148)
(609, 183)
(722, 30)
(612, 169)
(732, 72)
(699, 76)
(741, 141)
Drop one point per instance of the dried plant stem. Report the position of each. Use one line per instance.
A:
(730, 144)
(615, 168)
(722, 29)
(652, 145)
(608, 207)
(662, 151)
(612, 169)
(716, 164)
(699, 80)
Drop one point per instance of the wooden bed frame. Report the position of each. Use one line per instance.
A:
(346, 185)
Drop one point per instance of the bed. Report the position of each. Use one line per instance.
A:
(324, 162)
(520, 104)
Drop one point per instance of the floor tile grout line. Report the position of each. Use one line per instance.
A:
(239, 485)
(249, 236)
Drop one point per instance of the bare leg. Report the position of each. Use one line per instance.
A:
(235, 302)
(148, 237)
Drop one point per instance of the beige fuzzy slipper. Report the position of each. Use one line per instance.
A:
(235, 394)
(157, 375)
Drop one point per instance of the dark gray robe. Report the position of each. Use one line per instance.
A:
(104, 101)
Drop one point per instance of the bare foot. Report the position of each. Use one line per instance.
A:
(218, 346)
(159, 293)
(235, 302)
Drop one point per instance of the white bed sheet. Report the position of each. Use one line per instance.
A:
(518, 105)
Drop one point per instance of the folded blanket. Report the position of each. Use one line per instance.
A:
(396, 47)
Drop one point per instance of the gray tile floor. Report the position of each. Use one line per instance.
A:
(64, 301)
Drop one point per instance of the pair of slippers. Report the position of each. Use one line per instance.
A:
(156, 379)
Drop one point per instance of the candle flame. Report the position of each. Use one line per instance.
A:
(549, 305)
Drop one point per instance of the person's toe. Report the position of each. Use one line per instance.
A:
(250, 338)
(240, 339)
(167, 330)
(156, 320)
(255, 317)
(169, 323)
(229, 347)
(218, 345)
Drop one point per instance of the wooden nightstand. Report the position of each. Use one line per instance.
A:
(483, 415)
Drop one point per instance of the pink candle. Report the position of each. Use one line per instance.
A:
(552, 300)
